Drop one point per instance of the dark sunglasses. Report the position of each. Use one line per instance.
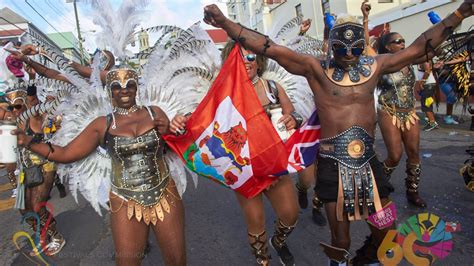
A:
(398, 41)
(355, 51)
(118, 87)
(250, 57)
(16, 106)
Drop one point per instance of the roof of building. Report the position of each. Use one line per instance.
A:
(65, 40)
(5, 33)
(218, 35)
(11, 16)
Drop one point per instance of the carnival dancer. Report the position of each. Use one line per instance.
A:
(141, 183)
(398, 120)
(39, 173)
(343, 86)
(113, 138)
(281, 194)
(276, 90)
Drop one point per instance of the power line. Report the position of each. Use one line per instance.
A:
(64, 37)
(59, 12)
(63, 6)
(34, 36)
(20, 9)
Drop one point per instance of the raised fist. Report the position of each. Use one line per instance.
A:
(213, 16)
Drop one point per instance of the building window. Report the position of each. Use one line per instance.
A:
(299, 11)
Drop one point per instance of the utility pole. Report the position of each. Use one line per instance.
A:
(81, 49)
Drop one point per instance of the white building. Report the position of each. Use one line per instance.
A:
(408, 17)
(14, 28)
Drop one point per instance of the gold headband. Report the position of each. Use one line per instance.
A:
(14, 95)
(121, 76)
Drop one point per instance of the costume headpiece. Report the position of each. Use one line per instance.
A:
(118, 27)
(347, 34)
(121, 76)
(14, 94)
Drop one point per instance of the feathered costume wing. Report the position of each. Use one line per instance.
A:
(181, 67)
(296, 87)
(459, 47)
(91, 175)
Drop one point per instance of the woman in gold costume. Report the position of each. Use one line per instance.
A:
(398, 120)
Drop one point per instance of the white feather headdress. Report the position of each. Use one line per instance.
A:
(118, 27)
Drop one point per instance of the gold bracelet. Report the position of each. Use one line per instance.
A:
(458, 14)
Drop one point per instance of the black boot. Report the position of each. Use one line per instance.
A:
(411, 182)
(367, 254)
(302, 196)
(258, 243)
(318, 216)
(278, 242)
(60, 187)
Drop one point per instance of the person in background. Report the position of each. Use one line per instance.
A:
(398, 120)
(427, 83)
(307, 177)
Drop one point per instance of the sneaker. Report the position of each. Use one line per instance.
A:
(318, 217)
(450, 120)
(55, 246)
(14, 193)
(431, 126)
(286, 258)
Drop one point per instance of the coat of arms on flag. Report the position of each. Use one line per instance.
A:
(229, 137)
(222, 151)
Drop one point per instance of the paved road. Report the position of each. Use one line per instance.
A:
(215, 228)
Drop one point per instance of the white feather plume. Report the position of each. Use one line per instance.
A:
(297, 87)
(91, 175)
(117, 26)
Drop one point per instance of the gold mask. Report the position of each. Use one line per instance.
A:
(14, 95)
(121, 76)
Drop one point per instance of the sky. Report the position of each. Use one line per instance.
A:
(60, 15)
